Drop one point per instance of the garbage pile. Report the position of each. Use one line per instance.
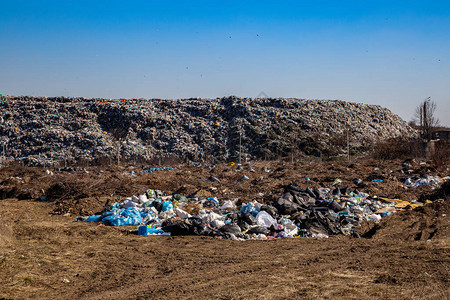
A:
(425, 179)
(43, 130)
(298, 213)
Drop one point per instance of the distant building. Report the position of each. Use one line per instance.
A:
(442, 134)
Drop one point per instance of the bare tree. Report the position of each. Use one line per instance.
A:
(426, 119)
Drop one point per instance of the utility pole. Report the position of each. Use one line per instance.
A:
(293, 148)
(425, 119)
(240, 146)
(348, 146)
(4, 156)
(118, 152)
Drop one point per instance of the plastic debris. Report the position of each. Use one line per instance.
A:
(298, 213)
(426, 179)
(149, 230)
(357, 181)
(244, 177)
(337, 181)
(265, 220)
(154, 169)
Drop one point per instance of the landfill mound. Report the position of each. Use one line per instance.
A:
(42, 130)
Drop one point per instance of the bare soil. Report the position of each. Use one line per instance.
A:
(44, 254)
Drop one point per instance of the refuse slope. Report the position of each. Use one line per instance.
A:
(40, 130)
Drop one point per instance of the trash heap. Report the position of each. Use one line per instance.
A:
(298, 213)
(425, 179)
(43, 130)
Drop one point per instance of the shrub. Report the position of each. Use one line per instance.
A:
(441, 156)
(398, 148)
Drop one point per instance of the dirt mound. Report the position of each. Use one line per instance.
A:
(427, 222)
(15, 182)
(441, 193)
(86, 194)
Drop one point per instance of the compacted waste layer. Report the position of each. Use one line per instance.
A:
(42, 130)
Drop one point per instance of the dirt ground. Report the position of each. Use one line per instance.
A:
(44, 254)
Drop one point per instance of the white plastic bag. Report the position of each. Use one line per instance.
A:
(265, 220)
(142, 199)
(218, 223)
(228, 205)
(181, 213)
(291, 229)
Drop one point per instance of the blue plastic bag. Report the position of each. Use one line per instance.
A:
(167, 205)
(116, 206)
(122, 217)
(95, 218)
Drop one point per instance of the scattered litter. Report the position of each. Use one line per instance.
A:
(155, 169)
(214, 179)
(244, 177)
(357, 181)
(426, 179)
(337, 181)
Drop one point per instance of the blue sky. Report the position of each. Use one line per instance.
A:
(391, 53)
